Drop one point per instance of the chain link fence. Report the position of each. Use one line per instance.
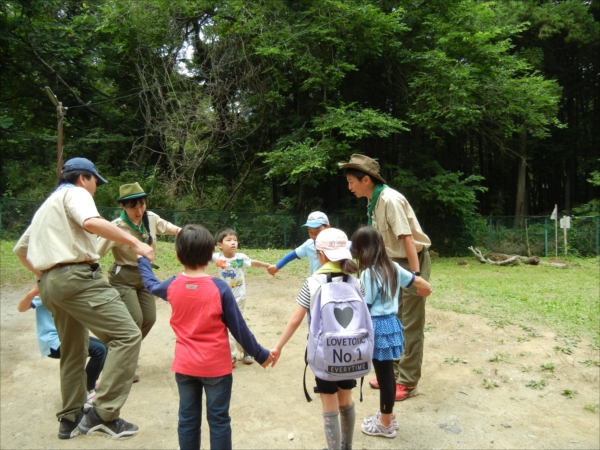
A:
(450, 237)
(541, 236)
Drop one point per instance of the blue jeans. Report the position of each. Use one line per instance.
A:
(218, 397)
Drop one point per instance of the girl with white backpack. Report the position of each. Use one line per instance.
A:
(336, 396)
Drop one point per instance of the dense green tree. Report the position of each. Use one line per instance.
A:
(249, 105)
(57, 44)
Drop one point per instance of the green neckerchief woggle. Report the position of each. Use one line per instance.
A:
(141, 230)
(373, 202)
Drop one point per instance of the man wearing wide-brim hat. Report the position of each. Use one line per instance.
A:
(389, 211)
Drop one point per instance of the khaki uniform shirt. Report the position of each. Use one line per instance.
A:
(123, 254)
(56, 234)
(393, 216)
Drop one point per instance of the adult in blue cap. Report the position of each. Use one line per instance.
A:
(59, 247)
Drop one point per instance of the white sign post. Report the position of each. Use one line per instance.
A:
(554, 217)
(565, 223)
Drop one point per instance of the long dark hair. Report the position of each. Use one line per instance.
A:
(132, 203)
(369, 248)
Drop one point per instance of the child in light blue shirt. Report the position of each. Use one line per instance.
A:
(317, 222)
(49, 342)
(382, 279)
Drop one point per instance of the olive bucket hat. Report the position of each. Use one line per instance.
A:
(364, 164)
(131, 191)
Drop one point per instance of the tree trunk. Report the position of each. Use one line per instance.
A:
(521, 203)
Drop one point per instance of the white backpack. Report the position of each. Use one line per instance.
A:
(340, 331)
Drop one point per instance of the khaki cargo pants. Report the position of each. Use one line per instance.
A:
(139, 302)
(411, 312)
(80, 298)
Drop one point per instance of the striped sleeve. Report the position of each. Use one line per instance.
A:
(303, 298)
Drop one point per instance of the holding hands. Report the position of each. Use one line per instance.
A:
(142, 249)
(272, 359)
(269, 360)
(272, 269)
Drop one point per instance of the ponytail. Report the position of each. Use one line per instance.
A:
(147, 226)
(348, 266)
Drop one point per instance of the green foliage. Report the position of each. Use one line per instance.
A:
(211, 96)
(308, 154)
(547, 367)
(569, 393)
(444, 195)
(451, 360)
(490, 384)
(592, 407)
(500, 358)
(592, 208)
(539, 385)
(565, 350)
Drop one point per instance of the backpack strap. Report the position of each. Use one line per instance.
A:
(306, 394)
(362, 379)
(340, 274)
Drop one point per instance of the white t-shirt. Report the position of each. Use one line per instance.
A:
(231, 270)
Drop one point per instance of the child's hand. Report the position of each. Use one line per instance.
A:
(272, 269)
(268, 361)
(25, 302)
(424, 292)
(276, 353)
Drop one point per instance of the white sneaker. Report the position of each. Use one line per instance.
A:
(247, 359)
(374, 427)
(378, 417)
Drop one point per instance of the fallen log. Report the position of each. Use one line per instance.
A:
(500, 259)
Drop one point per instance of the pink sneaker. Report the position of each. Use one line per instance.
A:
(404, 392)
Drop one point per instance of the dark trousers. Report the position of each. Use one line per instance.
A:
(384, 371)
(218, 397)
(97, 353)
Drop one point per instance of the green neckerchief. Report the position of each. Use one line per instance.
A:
(373, 202)
(329, 267)
(133, 226)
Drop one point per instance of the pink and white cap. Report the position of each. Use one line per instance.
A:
(334, 243)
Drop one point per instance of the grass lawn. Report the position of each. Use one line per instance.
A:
(566, 300)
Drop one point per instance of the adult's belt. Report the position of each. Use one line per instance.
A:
(423, 250)
(89, 263)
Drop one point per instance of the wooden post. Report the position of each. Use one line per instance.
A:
(61, 111)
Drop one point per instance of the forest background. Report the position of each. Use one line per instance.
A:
(473, 108)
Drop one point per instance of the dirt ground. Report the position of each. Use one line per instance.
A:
(269, 410)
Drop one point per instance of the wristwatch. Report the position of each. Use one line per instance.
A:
(416, 274)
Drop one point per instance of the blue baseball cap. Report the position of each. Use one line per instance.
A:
(316, 219)
(83, 164)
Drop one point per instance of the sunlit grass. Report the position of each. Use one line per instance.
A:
(567, 300)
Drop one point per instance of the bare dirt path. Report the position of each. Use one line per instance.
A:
(454, 409)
